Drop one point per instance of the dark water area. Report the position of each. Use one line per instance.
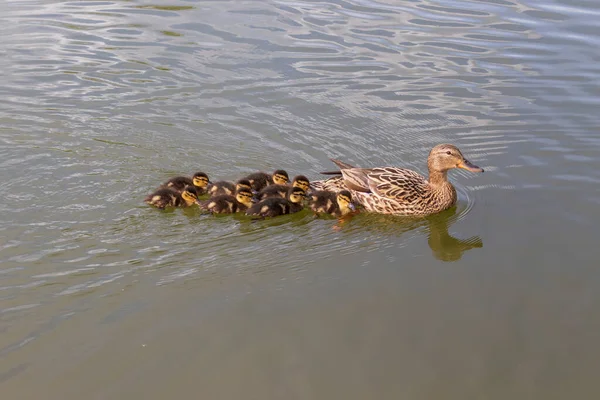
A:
(104, 297)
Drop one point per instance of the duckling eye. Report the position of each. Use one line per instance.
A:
(449, 152)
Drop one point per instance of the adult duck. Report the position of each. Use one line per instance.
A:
(400, 191)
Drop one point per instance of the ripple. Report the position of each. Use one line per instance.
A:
(102, 101)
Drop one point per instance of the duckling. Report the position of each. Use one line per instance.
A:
(336, 204)
(259, 180)
(276, 190)
(229, 204)
(168, 197)
(224, 187)
(274, 206)
(199, 180)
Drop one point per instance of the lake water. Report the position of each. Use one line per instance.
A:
(104, 297)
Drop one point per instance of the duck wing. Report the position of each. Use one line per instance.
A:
(399, 184)
(334, 184)
(357, 179)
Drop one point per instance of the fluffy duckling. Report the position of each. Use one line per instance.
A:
(259, 180)
(336, 204)
(274, 206)
(229, 204)
(229, 188)
(168, 197)
(199, 180)
(276, 190)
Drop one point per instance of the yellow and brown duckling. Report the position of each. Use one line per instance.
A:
(259, 180)
(336, 204)
(229, 204)
(275, 206)
(168, 197)
(229, 188)
(199, 180)
(276, 190)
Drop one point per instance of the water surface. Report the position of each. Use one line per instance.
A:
(103, 297)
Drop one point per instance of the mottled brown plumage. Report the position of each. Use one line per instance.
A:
(334, 184)
(400, 191)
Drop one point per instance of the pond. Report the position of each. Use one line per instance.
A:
(102, 296)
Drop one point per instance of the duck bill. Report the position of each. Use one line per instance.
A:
(198, 202)
(466, 164)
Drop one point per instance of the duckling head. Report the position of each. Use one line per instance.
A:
(344, 200)
(301, 182)
(200, 179)
(296, 195)
(280, 177)
(244, 196)
(446, 156)
(243, 184)
(190, 195)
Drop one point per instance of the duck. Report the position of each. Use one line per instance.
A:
(336, 204)
(199, 180)
(260, 180)
(168, 197)
(275, 206)
(229, 188)
(229, 204)
(276, 190)
(401, 191)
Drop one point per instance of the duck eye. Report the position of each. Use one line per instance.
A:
(449, 152)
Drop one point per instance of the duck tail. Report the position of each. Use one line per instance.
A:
(341, 164)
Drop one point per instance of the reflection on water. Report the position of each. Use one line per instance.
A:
(444, 246)
(102, 100)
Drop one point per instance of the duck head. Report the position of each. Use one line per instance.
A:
(446, 156)
(344, 200)
(190, 195)
(200, 179)
(301, 182)
(296, 195)
(244, 196)
(243, 184)
(280, 177)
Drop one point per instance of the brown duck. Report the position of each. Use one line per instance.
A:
(400, 191)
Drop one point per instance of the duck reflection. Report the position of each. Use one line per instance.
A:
(444, 246)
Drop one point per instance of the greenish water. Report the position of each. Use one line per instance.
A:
(104, 297)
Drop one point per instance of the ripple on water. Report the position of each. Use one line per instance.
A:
(108, 99)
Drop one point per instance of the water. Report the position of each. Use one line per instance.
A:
(104, 297)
